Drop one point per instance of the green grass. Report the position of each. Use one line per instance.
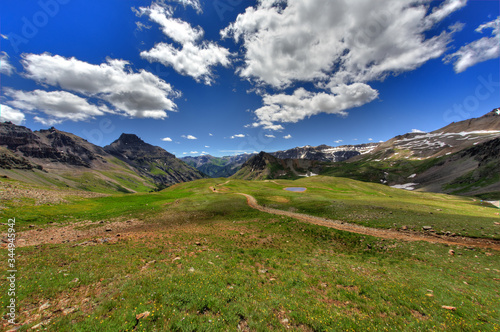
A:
(93, 182)
(95, 209)
(394, 170)
(255, 269)
(378, 206)
(482, 177)
(130, 180)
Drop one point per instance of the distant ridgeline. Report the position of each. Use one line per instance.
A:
(460, 158)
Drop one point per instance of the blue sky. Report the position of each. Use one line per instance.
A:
(223, 77)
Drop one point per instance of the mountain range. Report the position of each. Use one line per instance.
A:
(53, 157)
(229, 165)
(217, 167)
(460, 158)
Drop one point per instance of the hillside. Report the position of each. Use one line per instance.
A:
(447, 140)
(152, 161)
(56, 158)
(461, 158)
(267, 166)
(226, 166)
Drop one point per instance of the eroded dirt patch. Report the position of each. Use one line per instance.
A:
(77, 232)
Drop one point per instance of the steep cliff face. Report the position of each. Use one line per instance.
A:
(49, 147)
(13, 136)
(9, 160)
(152, 161)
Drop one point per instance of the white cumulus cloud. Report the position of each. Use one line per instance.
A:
(189, 137)
(237, 136)
(13, 115)
(5, 67)
(417, 131)
(302, 104)
(180, 31)
(336, 45)
(195, 57)
(166, 139)
(287, 136)
(57, 105)
(138, 95)
(347, 41)
(480, 50)
(270, 136)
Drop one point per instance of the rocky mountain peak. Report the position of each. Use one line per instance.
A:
(131, 146)
(129, 139)
(494, 112)
(259, 161)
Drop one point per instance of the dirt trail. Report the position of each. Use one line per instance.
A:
(382, 233)
(214, 189)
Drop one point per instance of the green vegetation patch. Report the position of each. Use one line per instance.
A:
(206, 261)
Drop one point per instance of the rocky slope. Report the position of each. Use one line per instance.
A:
(47, 147)
(152, 161)
(267, 166)
(488, 122)
(53, 157)
(325, 152)
(472, 171)
(461, 158)
(445, 141)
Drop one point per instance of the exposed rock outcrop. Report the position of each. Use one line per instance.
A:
(152, 161)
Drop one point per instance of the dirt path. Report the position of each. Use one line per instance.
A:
(382, 233)
(214, 189)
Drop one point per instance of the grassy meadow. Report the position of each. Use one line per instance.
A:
(205, 261)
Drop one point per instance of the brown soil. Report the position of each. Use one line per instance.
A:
(382, 233)
(96, 232)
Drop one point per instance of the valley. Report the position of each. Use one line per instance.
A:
(250, 166)
(191, 257)
(128, 237)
